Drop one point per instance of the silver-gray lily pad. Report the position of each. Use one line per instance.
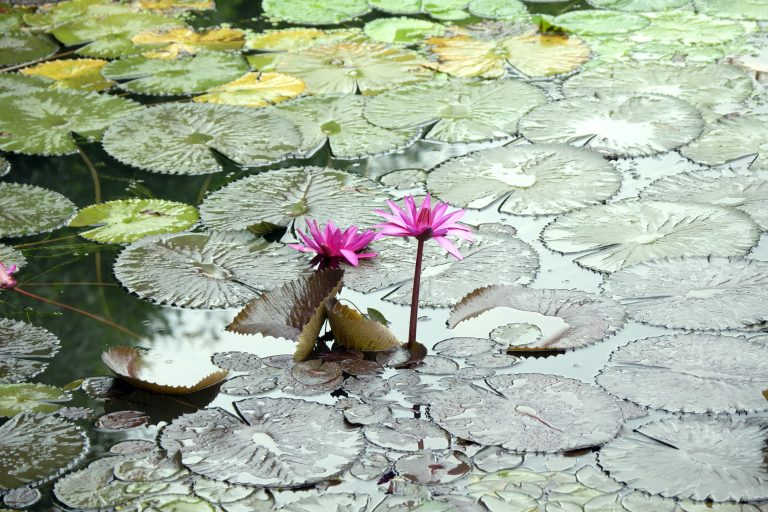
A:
(28, 210)
(23, 350)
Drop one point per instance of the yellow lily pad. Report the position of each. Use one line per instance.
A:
(172, 43)
(352, 330)
(255, 90)
(177, 5)
(297, 39)
(83, 74)
(466, 57)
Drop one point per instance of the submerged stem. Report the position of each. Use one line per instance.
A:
(41, 242)
(415, 296)
(94, 176)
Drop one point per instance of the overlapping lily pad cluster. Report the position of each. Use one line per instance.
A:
(614, 160)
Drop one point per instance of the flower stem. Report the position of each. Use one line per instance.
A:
(415, 296)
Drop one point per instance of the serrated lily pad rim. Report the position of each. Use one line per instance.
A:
(65, 202)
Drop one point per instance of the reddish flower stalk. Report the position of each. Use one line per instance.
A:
(333, 246)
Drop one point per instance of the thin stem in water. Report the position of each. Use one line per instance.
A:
(42, 242)
(415, 296)
(94, 176)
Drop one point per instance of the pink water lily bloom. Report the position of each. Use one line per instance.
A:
(425, 222)
(333, 246)
(7, 282)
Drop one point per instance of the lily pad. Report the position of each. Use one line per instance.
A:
(21, 48)
(601, 22)
(28, 210)
(172, 43)
(59, 13)
(42, 122)
(282, 442)
(10, 256)
(110, 36)
(299, 38)
(639, 125)
(444, 280)
(622, 234)
(709, 87)
(408, 435)
(529, 412)
(129, 220)
(20, 83)
(205, 271)
(35, 448)
(282, 197)
(669, 373)
(185, 75)
(81, 74)
(730, 138)
(349, 67)
(28, 397)
(441, 9)
(402, 30)
(172, 373)
(345, 502)
(186, 138)
(254, 90)
(352, 330)
(294, 311)
(433, 468)
(456, 110)
(639, 5)
(508, 10)
(314, 12)
(531, 179)
(338, 120)
(695, 292)
(733, 9)
(726, 455)
(585, 318)
(24, 349)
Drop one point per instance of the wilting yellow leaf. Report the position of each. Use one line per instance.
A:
(171, 43)
(83, 74)
(466, 57)
(296, 39)
(177, 5)
(255, 90)
(354, 331)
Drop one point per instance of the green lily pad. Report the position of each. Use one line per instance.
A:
(282, 197)
(339, 121)
(5, 166)
(28, 210)
(680, 26)
(29, 397)
(601, 22)
(639, 125)
(705, 86)
(178, 138)
(534, 179)
(349, 67)
(131, 219)
(299, 38)
(205, 270)
(59, 13)
(441, 9)
(42, 122)
(35, 448)
(734, 9)
(23, 349)
(456, 110)
(10, 18)
(314, 12)
(20, 83)
(186, 75)
(110, 36)
(507, 10)
(639, 5)
(11, 256)
(402, 30)
(731, 138)
(21, 48)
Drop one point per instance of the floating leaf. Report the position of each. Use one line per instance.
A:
(173, 373)
(695, 292)
(280, 197)
(300, 38)
(509, 10)
(11, 256)
(200, 270)
(639, 5)
(402, 30)
(601, 22)
(110, 36)
(82, 74)
(42, 122)
(441, 9)
(185, 75)
(22, 497)
(730, 138)
(58, 13)
(28, 397)
(331, 501)
(172, 43)
(532, 179)
(352, 330)
(22, 346)
(444, 280)
(349, 67)
(282, 443)
(185, 138)
(706, 86)
(122, 420)
(726, 456)
(20, 83)
(622, 234)
(254, 90)
(639, 125)
(338, 120)
(528, 412)
(178, 5)
(586, 318)
(21, 48)
(28, 210)
(432, 468)
(456, 110)
(294, 311)
(408, 435)
(129, 220)
(733, 9)
(35, 448)
(312, 12)
(668, 372)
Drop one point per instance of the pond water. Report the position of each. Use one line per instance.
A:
(613, 159)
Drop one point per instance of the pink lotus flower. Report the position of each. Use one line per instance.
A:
(6, 281)
(334, 246)
(425, 222)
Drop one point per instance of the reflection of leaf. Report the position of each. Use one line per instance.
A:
(254, 90)
(27, 210)
(21, 347)
(174, 373)
(311, 12)
(352, 330)
(82, 74)
(294, 311)
(20, 48)
(28, 397)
